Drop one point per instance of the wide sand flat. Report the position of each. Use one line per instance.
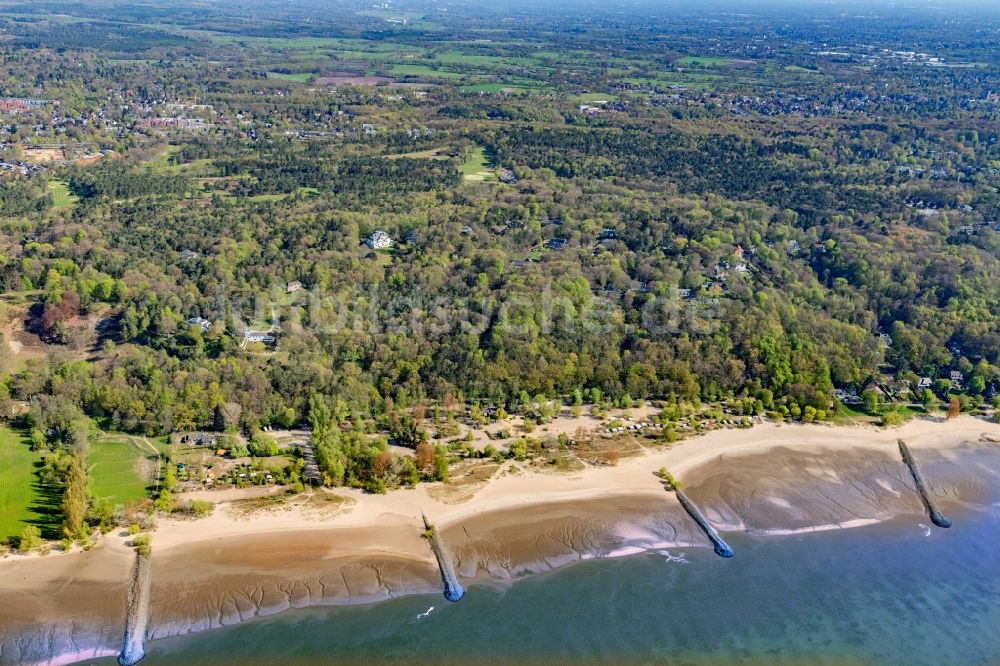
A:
(356, 548)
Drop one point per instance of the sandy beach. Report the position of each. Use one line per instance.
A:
(346, 547)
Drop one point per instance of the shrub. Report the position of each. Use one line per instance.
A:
(200, 508)
(669, 479)
(143, 544)
(441, 468)
(891, 419)
(519, 449)
(31, 538)
(164, 502)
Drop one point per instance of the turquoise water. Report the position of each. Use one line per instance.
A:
(894, 593)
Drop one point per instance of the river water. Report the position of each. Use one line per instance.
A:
(898, 592)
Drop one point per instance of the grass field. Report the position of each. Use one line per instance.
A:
(17, 483)
(495, 88)
(120, 470)
(590, 98)
(301, 77)
(61, 196)
(424, 71)
(477, 166)
(164, 164)
(705, 61)
(430, 154)
(459, 58)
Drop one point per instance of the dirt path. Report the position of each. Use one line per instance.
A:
(156, 452)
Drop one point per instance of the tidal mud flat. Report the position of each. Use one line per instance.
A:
(77, 606)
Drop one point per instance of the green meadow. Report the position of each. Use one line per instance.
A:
(705, 61)
(477, 166)
(300, 77)
(19, 490)
(61, 195)
(120, 470)
(424, 71)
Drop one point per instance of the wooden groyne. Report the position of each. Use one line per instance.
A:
(133, 647)
(722, 549)
(452, 588)
(933, 512)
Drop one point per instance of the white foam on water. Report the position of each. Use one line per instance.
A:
(925, 528)
(678, 559)
(425, 613)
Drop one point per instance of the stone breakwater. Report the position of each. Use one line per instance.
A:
(133, 646)
(453, 590)
(722, 549)
(933, 512)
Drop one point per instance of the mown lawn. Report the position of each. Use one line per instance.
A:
(495, 88)
(705, 61)
(424, 71)
(61, 196)
(120, 470)
(17, 483)
(477, 166)
(301, 77)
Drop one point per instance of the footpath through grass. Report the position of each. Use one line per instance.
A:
(120, 470)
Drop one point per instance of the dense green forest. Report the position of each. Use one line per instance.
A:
(599, 212)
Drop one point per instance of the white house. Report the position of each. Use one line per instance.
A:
(257, 336)
(198, 321)
(379, 240)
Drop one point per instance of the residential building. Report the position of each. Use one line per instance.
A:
(379, 240)
(204, 324)
(257, 336)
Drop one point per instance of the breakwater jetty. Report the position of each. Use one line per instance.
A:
(933, 512)
(722, 549)
(137, 614)
(453, 590)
